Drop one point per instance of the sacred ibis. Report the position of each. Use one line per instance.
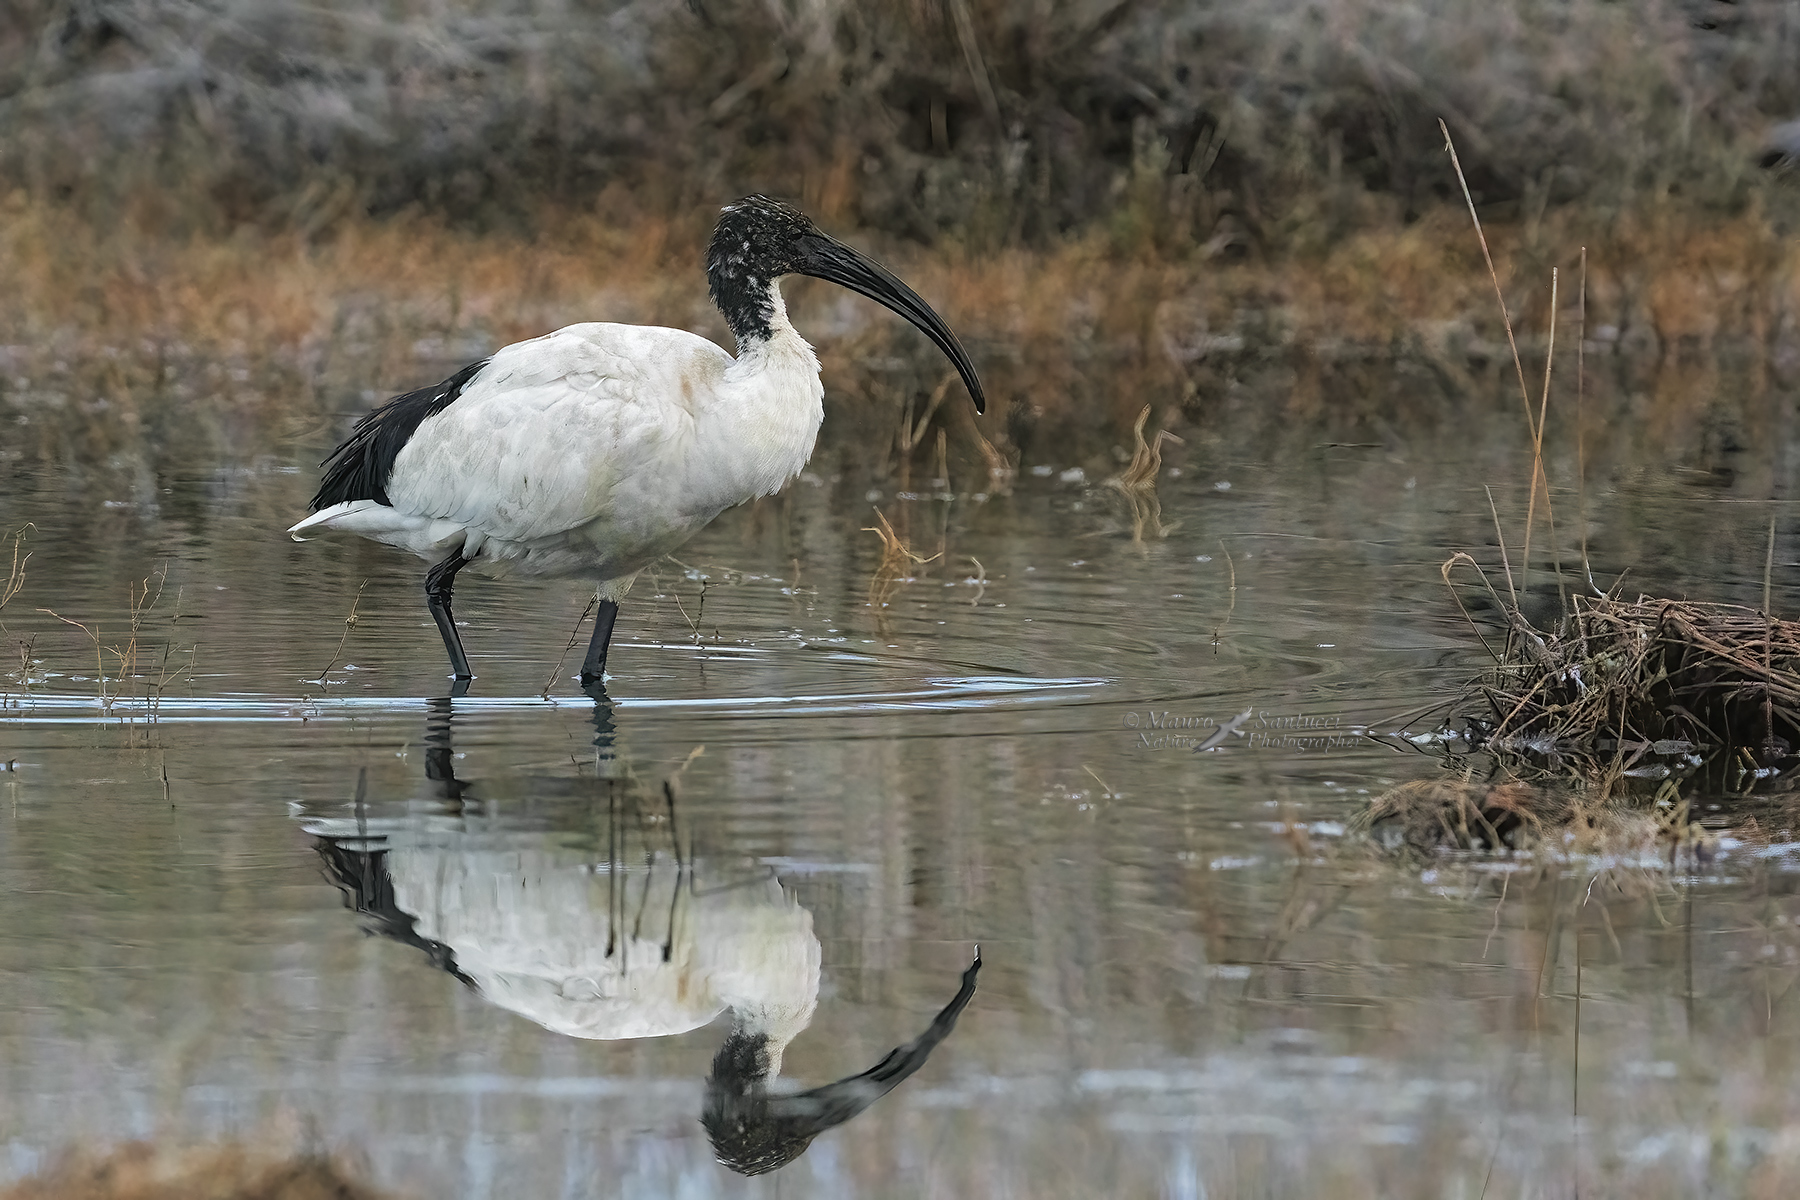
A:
(593, 451)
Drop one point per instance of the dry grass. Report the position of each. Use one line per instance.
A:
(350, 622)
(15, 573)
(132, 664)
(132, 346)
(238, 216)
(896, 565)
(1137, 482)
(16, 648)
(1666, 691)
(1650, 689)
(142, 1171)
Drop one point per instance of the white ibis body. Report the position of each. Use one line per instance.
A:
(593, 451)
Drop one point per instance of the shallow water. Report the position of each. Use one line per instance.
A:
(1193, 984)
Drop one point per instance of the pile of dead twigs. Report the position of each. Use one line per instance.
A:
(1643, 688)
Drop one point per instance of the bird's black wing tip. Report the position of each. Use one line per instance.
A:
(359, 467)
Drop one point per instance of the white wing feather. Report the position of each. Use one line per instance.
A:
(559, 431)
(595, 450)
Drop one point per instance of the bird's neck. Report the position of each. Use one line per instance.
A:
(771, 403)
(779, 353)
(746, 294)
(759, 322)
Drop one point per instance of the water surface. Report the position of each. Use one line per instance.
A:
(279, 874)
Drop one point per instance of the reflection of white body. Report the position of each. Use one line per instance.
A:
(626, 952)
(532, 927)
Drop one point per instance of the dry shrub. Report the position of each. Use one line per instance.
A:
(129, 344)
(142, 1171)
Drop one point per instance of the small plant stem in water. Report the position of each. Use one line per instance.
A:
(1512, 344)
(573, 634)
(1538, 477)
(1219, 633)
(349, 624)
(1769, 573)
(1587, 571)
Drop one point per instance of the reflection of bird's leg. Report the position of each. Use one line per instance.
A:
(438, 765)
(440, 754)
(605, 736)
(360, 803)
(614, 910)
(681, 871)
(644, 831)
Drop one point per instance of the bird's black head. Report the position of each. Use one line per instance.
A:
(755, 243)
(758, 240)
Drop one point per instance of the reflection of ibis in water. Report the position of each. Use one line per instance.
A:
(645, 942)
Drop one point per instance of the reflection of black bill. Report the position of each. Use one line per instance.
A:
(754, 1133)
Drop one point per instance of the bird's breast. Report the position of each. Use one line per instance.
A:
(765, 416)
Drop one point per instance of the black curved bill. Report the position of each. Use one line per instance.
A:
(826, 258)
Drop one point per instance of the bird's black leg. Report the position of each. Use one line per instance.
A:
(438, 584)
(593, 667)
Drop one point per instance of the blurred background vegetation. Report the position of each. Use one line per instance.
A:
(1193, 124)
(986, 121)
(1180, 194)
